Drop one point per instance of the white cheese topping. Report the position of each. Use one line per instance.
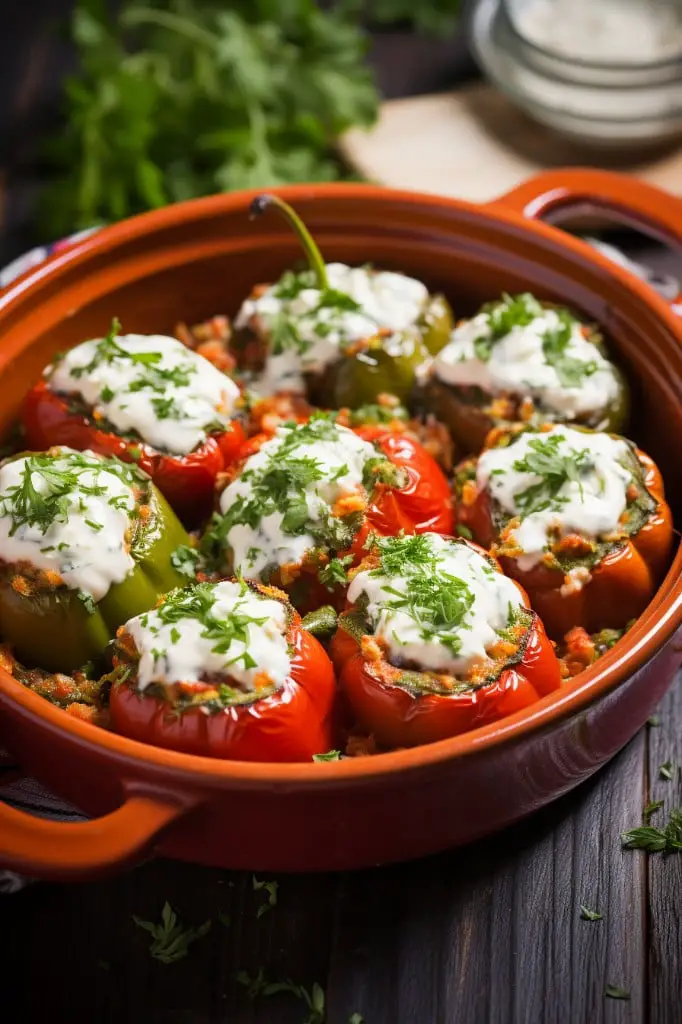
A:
(289, 488)
(593, 476)
(150, 385)
(577, 381)
(306, 333)
(487, 599)
(70, 514)
(246, 640)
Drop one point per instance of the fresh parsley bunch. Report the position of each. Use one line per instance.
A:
(179, 98)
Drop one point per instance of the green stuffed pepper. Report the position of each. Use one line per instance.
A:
(522, 360)
(86, 542)
(337, 333)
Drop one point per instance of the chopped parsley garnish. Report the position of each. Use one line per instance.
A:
(502, 316)
(331, 755)
(555, 343)
(286, 483)
(51, 485)
(185, 560)
(376, 413)
(313, 999)
(198, 603)
(555, 467)
(283, 327)
(666, 770)
(334, 573)
(149, 375)
(590, 915)
(436, 600)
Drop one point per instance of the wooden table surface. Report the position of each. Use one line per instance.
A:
(490, 934)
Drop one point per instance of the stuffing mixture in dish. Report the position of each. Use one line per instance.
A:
(254, 540)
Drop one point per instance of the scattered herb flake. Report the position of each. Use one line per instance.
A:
(170, 940)
(615, 992)
(271, 888)
(590, 915)
(666, 771)
(651, 808)
(656, 840)
(331, 755)
(654, 721)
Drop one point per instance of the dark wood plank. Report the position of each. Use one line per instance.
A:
(76, 947)
(665, 873)
(493, 933)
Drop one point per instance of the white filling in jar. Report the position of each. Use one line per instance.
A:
(406, 610)
(558, 482)
(306, 331)
(287, 489)
(69, 513)
(228, 631)
(151, 386)
(548, 359)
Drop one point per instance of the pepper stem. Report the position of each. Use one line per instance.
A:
(258, 207)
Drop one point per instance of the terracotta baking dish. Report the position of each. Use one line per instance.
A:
(192, 260)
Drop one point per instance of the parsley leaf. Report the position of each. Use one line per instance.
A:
(331, 755)
(590, 915)
(614, 992)
(170, 941)
(656, 840)
(666, 770)
(313, 998)
(271, 888)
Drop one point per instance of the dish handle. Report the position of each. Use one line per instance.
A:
(578, 190)
(62, 851)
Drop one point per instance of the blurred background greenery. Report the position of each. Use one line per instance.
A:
(171, 99)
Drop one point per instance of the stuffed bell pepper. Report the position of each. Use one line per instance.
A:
(85, 542)
(340, 334)
(436, 641)
(146, 399)
(521, 360)
(303, 502)
(224, 670)
(578, 517)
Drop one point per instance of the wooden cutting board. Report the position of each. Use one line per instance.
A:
(474, 144)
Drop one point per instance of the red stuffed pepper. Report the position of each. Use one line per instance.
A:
(224, 670)
(303, 502)
(578, 517)
(436, 641)
(146, 399)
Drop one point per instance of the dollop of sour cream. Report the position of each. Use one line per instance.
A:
(591, 497)
(572, 379)
(188, 647)
(150, 385)
(308, 467)
(307, 330)
(398, 617)
(69, 513)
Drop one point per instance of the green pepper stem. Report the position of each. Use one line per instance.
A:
(258, 207)
(321, 622)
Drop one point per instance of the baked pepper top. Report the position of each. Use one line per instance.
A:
(437, 640)
(84, 541)
(344, 333)
(143, 398)
(577, 516)
(308, 496)
(244, 680)
(519, 359)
